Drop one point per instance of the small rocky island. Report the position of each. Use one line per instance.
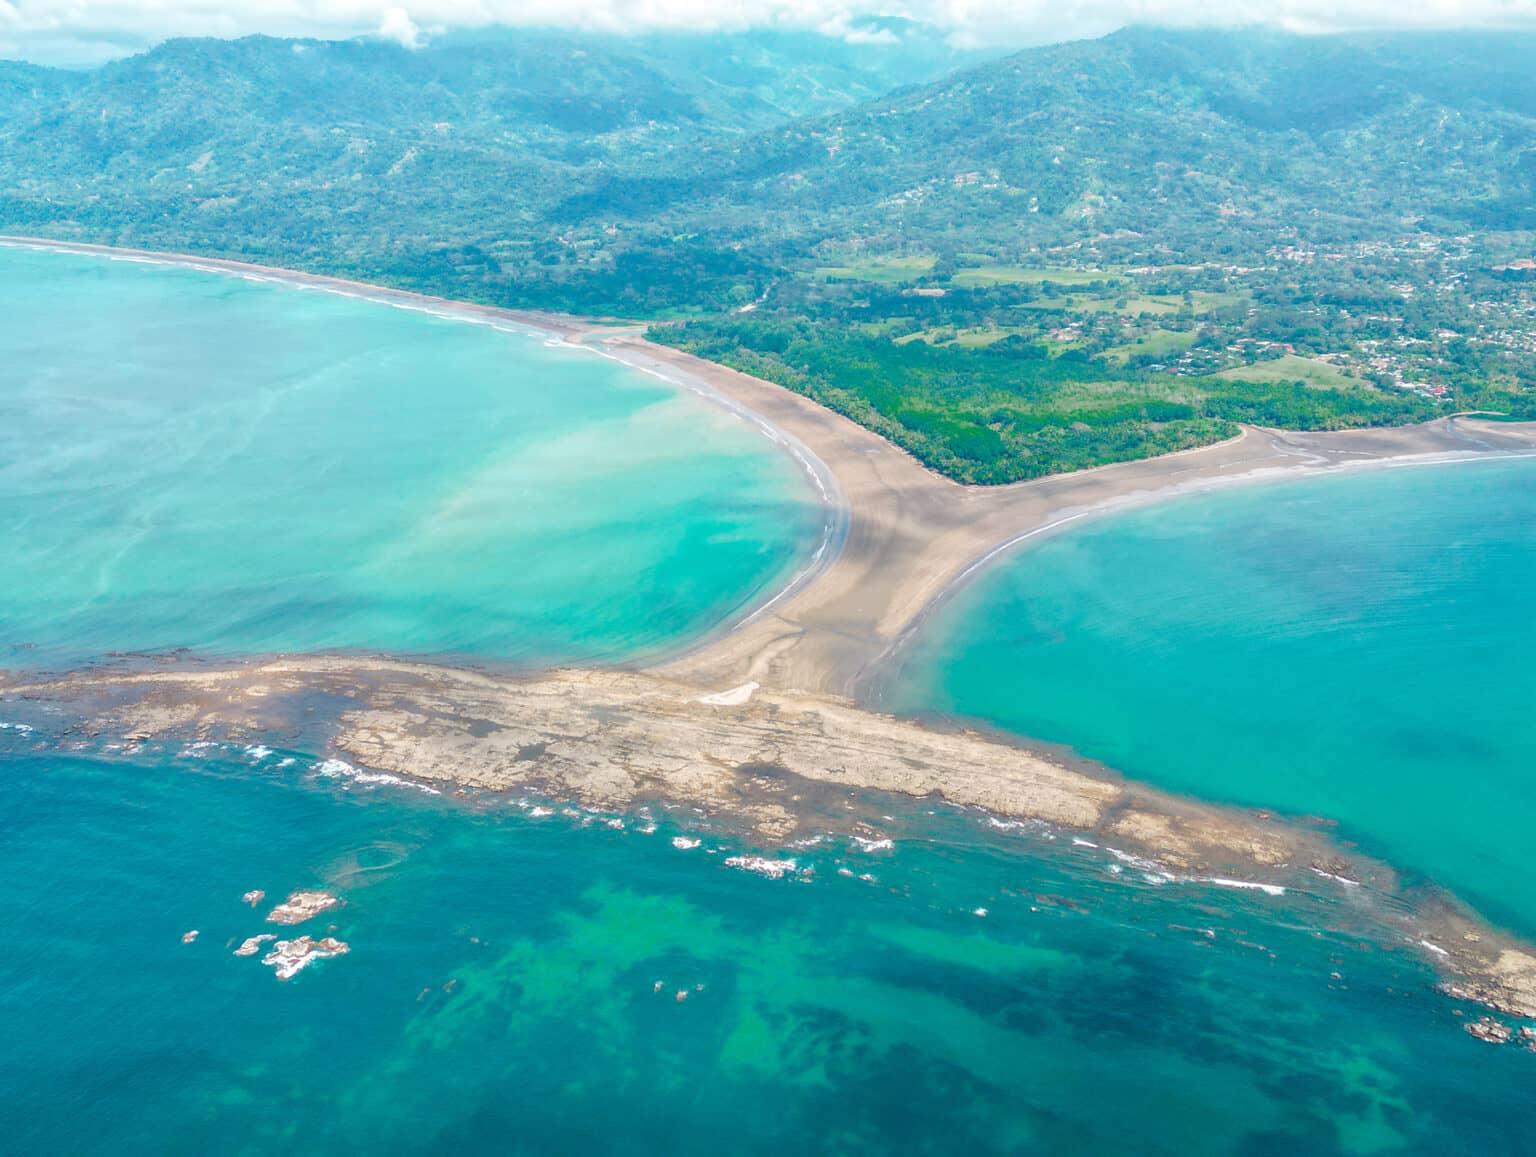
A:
(301, 906)
(290, 957)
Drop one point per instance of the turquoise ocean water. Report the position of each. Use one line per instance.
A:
(1354, 647)
(976, 987)
(500, 993)
(193, 459)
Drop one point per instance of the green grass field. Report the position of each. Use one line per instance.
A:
(978, 337)
(1159, 343)
(985, 275)
(879, 270)
(983, 336)
(1291, 368)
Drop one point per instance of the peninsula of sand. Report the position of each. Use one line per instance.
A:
(761, 721)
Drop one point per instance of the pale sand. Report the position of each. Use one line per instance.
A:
(913, 536)
(897, 536)
(897, 539)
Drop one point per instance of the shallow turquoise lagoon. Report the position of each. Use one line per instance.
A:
(194, 459)
(501, 996)
(1358, 647)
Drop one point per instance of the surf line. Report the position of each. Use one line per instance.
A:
(836, 517)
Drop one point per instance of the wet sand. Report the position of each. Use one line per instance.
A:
(898, 538)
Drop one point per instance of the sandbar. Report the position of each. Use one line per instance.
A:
(897, 538)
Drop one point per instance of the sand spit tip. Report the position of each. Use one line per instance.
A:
(735, 697)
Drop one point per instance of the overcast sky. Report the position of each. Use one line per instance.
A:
(81, 31)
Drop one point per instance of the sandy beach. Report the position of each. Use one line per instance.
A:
(760, 720)
(896, 537)
(913, 536)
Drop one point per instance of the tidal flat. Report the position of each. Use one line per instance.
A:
(775, 768)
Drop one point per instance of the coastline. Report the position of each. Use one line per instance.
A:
(897, 541)
(574, 332)
(916, 538)
(776, 767)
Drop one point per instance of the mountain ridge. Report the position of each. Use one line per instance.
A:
(1082, 253)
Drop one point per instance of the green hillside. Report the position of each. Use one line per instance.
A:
(1200, 142)
(365, 155)
(1075, 254)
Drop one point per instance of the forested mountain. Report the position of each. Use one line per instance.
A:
(303, 148)
(1074, 254)
(579, 163)
(1199, 141)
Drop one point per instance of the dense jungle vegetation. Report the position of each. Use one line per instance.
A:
(1011, 267)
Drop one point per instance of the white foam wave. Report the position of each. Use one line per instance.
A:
(1245, 885)
(1002, 825)
(341, 769)
(1345, 880)
(1151, 871)
(773, 869)
(881, 845)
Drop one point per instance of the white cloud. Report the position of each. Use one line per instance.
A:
(398, 26)
(93, 29)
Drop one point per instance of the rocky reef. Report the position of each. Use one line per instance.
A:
(252, 944)
(782, 766)
(301, 906)
(290, 957)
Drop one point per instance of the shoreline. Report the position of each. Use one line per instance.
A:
(776, 768)
(897, 539)
(916, 539)
(767, 700)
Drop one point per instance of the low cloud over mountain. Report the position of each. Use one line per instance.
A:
(81, 31)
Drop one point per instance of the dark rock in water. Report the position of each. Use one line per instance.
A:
(289, 957)
(1495, 1032)
(301, 906)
